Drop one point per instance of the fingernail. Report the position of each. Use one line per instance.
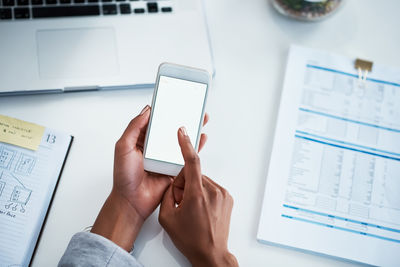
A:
(183, 131)
(144, 109)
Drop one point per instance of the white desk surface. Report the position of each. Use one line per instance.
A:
(250, 42)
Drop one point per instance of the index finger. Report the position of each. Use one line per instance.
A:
(192, 170)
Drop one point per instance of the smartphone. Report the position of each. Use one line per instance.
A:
(179, 99)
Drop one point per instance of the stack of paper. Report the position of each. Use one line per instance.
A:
(333, 184)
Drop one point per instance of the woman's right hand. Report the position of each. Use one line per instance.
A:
(196, 211)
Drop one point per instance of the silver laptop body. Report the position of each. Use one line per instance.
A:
(116, 44)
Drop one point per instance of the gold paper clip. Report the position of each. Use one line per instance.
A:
(363, 65)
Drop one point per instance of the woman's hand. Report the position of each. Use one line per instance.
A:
(196, 212)
(136, 193)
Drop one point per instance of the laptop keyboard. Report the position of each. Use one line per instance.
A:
(34, 9)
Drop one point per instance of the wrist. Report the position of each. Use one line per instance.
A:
(118, 221)
(214, 258)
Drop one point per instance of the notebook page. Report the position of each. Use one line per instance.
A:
(27, 182)
(333, 185)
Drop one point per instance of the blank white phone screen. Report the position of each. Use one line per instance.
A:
(178, 103)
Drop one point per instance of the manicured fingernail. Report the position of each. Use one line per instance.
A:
(144, 109)
(183, 131)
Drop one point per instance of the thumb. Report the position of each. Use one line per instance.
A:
(137, 126)
(167, 207)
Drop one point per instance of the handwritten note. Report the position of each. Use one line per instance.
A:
(20, 133)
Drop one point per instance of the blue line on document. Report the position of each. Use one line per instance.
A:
(351, 75)
(347, 143)
(349, 120)
(343, 218)
(345, 147)
(341, 228)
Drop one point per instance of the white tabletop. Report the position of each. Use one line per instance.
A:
(250, 42)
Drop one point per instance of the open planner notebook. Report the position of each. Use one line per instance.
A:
(333, 183)
(29, 174)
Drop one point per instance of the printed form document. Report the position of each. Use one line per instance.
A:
(333, 183)
(31, 160)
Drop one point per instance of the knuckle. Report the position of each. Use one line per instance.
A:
(133, 121)
(225, 193)
(215, 192)
(119, 144)
(230, 199)
(197, 196)
(193, 159)
(197, 199)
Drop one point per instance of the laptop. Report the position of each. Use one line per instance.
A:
(54, 46)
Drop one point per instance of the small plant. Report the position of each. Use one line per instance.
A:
(307, 10)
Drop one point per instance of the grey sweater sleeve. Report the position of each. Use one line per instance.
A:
(88, 249)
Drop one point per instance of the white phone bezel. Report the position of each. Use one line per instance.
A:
(184, 73)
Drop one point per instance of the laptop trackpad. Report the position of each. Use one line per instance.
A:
(77, 53)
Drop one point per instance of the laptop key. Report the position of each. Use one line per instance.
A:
(21, 13)
(166, 9)
(51, 2)
(65, 11)
(79, 1)
(8, 2)
(5, 13)
(138, 10)
(152, 7)
(93, 1)
(125, 8)
(65, 1)
(109, 9)
(37, 2)
(23, 2)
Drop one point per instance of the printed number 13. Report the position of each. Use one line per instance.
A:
(51, 139)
